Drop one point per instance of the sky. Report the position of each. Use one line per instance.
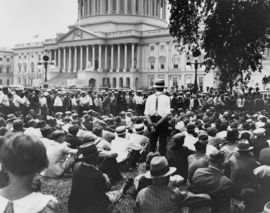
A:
(22, 20)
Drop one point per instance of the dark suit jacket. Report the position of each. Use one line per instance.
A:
(88, 191)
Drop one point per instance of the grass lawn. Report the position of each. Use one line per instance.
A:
(60, 188)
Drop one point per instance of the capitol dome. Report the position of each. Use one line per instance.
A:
(117, 15)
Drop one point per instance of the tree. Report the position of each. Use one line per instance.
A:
(233, 34)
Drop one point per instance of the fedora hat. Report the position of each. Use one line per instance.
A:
(243, 146)
(121, 130)
(139, 128)
(159, 167)
(87, 151)
(159, 83)
(266, 208)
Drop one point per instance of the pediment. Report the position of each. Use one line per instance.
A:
(78, 33)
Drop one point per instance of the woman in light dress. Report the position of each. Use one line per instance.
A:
(23, 157)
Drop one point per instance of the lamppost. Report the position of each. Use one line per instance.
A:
(195, 53)
(46, 63)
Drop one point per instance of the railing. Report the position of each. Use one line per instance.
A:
(34, 44)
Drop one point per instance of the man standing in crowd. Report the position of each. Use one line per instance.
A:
(157, 109)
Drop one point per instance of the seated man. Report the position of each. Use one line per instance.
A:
(212, 181)
(89, 192)
(58, 153)
(72, 138)
(127, 156)
(160, 197)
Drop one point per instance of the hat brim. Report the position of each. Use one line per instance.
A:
(82, 158)
(157, 86)
(244, 150)
(170, 172)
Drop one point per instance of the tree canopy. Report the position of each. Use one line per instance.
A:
(232, 33)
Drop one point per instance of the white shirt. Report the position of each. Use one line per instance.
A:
(33, 132)
(58, 102)
(4, 100)
(138, 142)
(17, 100)
(164, 105)
(43, 101)
(121, 147)
(138, 100)
(32, 203)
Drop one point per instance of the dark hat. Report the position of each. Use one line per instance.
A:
(159, 167)
(190, 127)
(212, 131)
(232, 135)
(87, 151)
(159, 83)
(217, 157)
(203, 138)
(243, 146)
(57, 133)
(139, 128)
(121, 130)
(10, 117)
(179, 138)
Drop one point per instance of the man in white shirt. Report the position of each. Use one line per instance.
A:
(58, 103)
(4, 102)
(157, 110)
(19, 102)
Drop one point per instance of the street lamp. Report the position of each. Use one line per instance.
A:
(46, 63)
(196, 53)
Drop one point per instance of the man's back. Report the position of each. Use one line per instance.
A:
(159, 199)
(88, 190)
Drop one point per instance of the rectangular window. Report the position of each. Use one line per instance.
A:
(175, 66)
(152, 48)
(1, 82)
(162, 65)
(1, 69)
(7, 70)
(1, 59)
(8, 82)
(8, 59)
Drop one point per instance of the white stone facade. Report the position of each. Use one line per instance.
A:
(6, 67)
(116, 44)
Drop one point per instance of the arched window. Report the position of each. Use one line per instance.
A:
(20, 67)
(176, 61)
(152, 61)
(128, 82)
(104, 82)
(25, 67)
(32, 67)
(121, 82)
(162, 60)
(114, 82)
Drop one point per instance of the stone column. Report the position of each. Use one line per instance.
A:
(79, 9)
(93, 56)
(65, 60)
(55, 57)
(99, 57)
(149, 8)
(141, 2)
(133, 7)
(94, 7)
(126, 6)
(87, 57)
(117, 6)
(112, 58)
(69, 59)
(157, 57)
(59, 60)
(109, 6)
(155, 8)
(125, 62)
(81, 59)
(106, 58)
(101, 6)
(158, 8)
(132, 57)
(75, 59)
(118, 57)
(165, 9)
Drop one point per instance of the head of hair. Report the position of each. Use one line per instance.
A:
(98, 131)
(117, 120)
(47, 132)
(2, 122)
(17, 125)
(200, 147)
(73, 130)
(23, 155)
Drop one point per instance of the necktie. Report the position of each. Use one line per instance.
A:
(9, 208)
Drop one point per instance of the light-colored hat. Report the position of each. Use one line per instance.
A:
(266, 208)
(46, 93)
(139, 128)
(121, 130)
(159, 83)
(159, 167)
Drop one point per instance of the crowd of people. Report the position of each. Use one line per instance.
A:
(203, 152)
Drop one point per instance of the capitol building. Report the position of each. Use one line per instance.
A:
(115, 44)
